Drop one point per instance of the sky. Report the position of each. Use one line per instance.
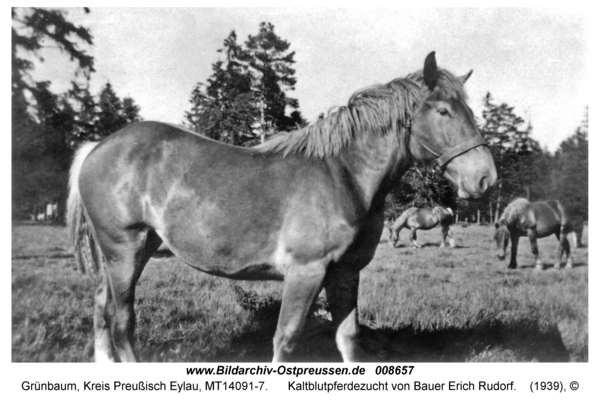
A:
(531, 58)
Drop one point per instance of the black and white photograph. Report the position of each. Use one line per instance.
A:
(253, 185)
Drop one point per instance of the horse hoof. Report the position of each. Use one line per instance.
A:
(539, 266)
(512, 267)
(557, 266)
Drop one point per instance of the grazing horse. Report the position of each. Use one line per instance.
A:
(423, 219)
(534, 220)
(306, 207)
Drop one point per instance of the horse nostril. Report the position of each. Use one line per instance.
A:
(488, 180)
(483, 184)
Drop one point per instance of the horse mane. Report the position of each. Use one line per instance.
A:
(514, 210)
(375, 110)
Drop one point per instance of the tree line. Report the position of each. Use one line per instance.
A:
(244, 101)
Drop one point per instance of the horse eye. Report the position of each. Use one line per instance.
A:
(443, 111)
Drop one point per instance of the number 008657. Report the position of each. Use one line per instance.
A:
(393, 370)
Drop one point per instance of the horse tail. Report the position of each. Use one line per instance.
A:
(87, 253)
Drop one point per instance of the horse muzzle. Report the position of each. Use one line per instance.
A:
(473, 172)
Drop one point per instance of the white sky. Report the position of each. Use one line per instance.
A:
(533, 59)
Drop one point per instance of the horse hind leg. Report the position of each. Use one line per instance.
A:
(301, 287)
(413, 237)
(444, 235)
(126, 254)
(451, 238)
(564, 247)
(447, 233)
(103, 348)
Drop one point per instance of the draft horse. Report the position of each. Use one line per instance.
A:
(426, 218)
(534, 220)
(312, 201)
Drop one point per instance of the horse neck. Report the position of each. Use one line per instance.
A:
(376, 164)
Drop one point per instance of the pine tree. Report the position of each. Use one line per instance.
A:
(223, 108)
(273, 77)
(110, 113)
(131, 111)
(246, 94)
(87, 114)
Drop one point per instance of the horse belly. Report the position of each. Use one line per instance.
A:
(545, 230)
(424, 222)
(209, 239)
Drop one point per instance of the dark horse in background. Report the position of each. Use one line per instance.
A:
(423, 219)
(306, 207)
(535, 220)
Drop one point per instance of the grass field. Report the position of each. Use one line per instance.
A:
(425, 304)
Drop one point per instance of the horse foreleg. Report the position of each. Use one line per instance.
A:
(532, 235)
(342, 297)
(103, 348)
(514, 246)
(301, 286)
(413, 238)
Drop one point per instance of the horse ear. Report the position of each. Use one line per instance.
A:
(464, 78)
(430, 71)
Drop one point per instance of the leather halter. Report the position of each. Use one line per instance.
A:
(443, 158)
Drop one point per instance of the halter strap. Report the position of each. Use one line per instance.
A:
(442, 159)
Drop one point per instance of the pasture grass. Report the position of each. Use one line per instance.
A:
(425, 304)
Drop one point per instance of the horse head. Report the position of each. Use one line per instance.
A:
(444, 133)
(501, 236)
